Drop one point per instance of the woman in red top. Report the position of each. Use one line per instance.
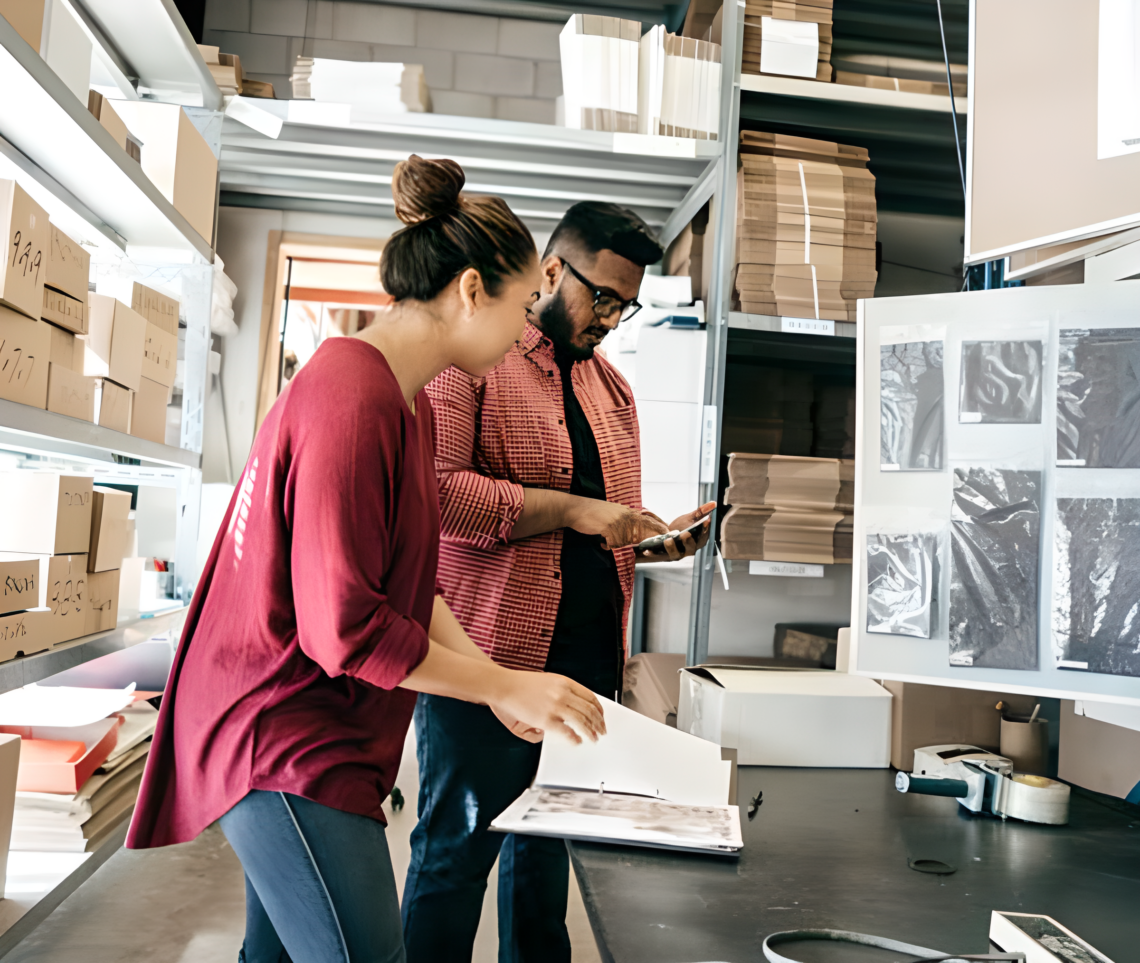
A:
(316, 619)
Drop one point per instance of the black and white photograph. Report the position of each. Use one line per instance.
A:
(1098, 398)
(1000, 383)
(995, 527)
(911, 406)
(1096, 585)
(902, 584)
(617, 817)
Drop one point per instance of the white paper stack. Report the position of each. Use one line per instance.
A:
(678, 86)
(791, 38)
(372, 89)
(641, 784)
(600, 72)
(76, 823)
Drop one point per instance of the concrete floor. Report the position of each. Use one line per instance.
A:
(186, 904)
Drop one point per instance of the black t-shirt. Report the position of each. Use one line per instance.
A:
(586, 644)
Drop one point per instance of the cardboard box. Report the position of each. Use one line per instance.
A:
(148, 411)
(25, 351)
(780, 717)
(64, 312)
(114, 406)
(1098, 755)
(160, 355)
(62, 346)
(177, 159)
(68, 266)
(70, 393)
(9, 772)
(45, 513)
(109, 511)
(102, 601)
(20, 585)
(102, 110)
(27, 17)
(938, 715)
(115, 339)
(61, 582)
(27, 238)
(51, 30)
(66, 595)
(24, 633)
(156, 307)
(66, 775)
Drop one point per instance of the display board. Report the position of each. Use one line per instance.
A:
(997, 492)
(1054, 124)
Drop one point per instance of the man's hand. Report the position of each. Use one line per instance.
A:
(534, 703)
(618, 525)
(684, 545)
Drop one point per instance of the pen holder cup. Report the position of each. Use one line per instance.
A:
(1026, 744)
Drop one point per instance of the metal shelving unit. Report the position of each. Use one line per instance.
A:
(911, 142)
(46, 123)
(45, 432)
(92, 190)
(40, 890)
(322, 163)
(67, 655)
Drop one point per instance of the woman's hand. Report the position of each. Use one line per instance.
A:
(618, 524)
(531, 704)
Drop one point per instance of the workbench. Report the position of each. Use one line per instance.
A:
(829, 848)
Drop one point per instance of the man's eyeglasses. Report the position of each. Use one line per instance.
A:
(605, 305)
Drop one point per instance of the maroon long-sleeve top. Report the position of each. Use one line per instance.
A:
(314, 605)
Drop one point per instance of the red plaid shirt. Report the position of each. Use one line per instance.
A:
(495, 435)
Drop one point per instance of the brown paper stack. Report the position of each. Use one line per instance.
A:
(897, 83)
(789, 509)
(805, 227)
(813, 11)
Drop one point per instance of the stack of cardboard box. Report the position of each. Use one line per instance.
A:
(797, 39)
(805, 228)
(789, 509)
(61, 548)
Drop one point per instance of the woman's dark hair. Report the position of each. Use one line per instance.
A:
(448, 232)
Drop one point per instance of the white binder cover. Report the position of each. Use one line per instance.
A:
(642, 784)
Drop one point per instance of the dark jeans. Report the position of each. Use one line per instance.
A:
(318, 883)
(471, 769)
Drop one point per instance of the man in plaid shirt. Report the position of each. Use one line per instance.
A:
(540, 492)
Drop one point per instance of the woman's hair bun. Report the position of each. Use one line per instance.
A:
(424, 189)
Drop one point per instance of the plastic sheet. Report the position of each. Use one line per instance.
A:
(1098, 398)
(1096, 586)
(911, 391)
(995, 524)
(902, 580)
(1000, 382)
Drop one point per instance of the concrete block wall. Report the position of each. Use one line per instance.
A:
(476, 66)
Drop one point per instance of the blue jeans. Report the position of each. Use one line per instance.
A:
(318, 883)
(471, 769)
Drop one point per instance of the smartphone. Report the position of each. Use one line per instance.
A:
(655, 544)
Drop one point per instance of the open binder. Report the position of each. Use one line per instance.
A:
(641, 784)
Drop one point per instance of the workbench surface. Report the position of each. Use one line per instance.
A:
(828, 849)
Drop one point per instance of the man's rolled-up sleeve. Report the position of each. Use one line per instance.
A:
(475, 508)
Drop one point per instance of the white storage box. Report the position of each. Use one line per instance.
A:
(782, 717)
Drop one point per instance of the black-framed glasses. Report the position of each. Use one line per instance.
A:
(605, 305)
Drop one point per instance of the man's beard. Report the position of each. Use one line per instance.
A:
(556, 323)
